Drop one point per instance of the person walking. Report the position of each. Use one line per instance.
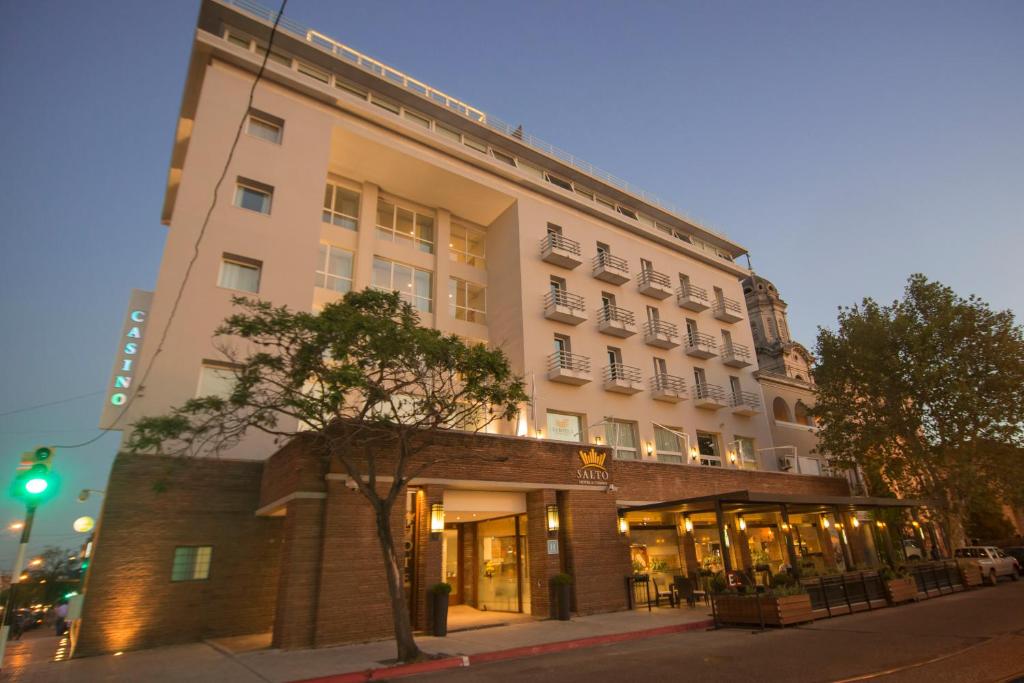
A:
(60, 621)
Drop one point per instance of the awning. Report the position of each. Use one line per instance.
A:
(749, 499)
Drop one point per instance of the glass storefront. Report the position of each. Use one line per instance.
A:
(450, 564)
(502, 579)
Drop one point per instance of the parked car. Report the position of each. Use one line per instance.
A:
(1017, 553)
(993, 561)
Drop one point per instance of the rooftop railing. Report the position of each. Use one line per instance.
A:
(403, 80)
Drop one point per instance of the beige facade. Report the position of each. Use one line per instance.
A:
(626, 319)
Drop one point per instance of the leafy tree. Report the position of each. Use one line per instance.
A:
(363, 383)
(926, 396)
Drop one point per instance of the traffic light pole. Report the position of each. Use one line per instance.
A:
(19, 564)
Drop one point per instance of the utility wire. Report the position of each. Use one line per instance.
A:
(52, 403)
(199, 239)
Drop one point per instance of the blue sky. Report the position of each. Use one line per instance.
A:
(846, 145)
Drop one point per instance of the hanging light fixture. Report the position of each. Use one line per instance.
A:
(436, 518)
(552, 517)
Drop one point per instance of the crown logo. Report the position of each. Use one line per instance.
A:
(593, 459)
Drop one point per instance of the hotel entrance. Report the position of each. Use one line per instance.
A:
(484, 554)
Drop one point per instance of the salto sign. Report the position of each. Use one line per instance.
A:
(127, 360)
(592, 470)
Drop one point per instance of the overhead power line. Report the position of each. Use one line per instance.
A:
(199, 238)
(51, 403)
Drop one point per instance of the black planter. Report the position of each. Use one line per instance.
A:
(438, 613)
(563, 596)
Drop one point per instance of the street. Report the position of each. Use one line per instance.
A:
(973, 636)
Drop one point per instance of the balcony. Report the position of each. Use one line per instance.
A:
(616, 321)
(727, 310)
(692, 298)
(709, 396)
(700, 345)
(610, 268)
(736, 355)
(668, 388)
(564, 307)
(653, 283)
(568, 368)
(622, 379)
(745, 403)
(560, 251)
(661, 334)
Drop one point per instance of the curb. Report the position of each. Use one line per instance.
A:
(402, 670)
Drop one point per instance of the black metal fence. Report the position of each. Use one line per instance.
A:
(846, 592)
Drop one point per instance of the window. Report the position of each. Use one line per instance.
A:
(557, 285)
(614, 362)
(603, 248)
(699, 377)
(668, 445)
(341, 206)
(734, 385)
(264, 126)
(626, 211)
(357, 90)
(691, 331)
(562, 345)
(746, 456)
(416, 118)
(660, 367)
(473, 143)
(467, 301)
(384, 104)
(447, 132)
(397, 224)
(707, 447)
(727, 341)
(191, 563)
(646, 266)
(334, 269)
(564, 427)
(275, 56)
(622, 437)
(554, 229)
(414, 285)
(604, 202)
(239, 40)
(802, 417)
(216, 379)
(468, 245)
(313, 72)
(501, 156)
(241, 273)
(252, 195)
(560, 182)
(652, 314)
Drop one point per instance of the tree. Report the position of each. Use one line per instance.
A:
(50, 575)
(926, 397)
(363, 383)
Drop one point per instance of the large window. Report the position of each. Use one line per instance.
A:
(191, 563)
(467, 301)
(253, 196)
(746, 456)
(709, 449)
(467, 245)
(216, 379)
(622, 437)
(240, 273)
(669, 445)
(397, 224)
(565, 427)
(334, 269)
(341, 206)
(413, 284)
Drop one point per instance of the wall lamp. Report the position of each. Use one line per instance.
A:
(687, 524)
(436, 518)
(650, 449)
(551, 512)
(741, 523)
(623, 525)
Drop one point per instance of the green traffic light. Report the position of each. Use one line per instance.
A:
(36, 485)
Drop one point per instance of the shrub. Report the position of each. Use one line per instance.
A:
(562, 579)
(719, 583)
(441, 589)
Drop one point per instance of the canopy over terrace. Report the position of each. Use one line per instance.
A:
(759, 534)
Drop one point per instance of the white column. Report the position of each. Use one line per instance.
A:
(362, 276)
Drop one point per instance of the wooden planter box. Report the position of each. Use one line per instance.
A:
(901, 590)
(971, 574)
(776, 611)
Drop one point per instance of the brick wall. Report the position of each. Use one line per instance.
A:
(598, 557)
(130, 600)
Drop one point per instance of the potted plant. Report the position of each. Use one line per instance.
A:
(900, 587)
(437, 606)
(561, 585)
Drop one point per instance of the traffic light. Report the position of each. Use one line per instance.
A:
(35, 482)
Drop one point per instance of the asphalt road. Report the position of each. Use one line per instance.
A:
(963, 638)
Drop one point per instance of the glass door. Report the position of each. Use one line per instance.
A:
(498, 565)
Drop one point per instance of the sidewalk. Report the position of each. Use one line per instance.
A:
(233, 660)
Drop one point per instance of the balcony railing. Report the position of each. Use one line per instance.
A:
(692, 297)
(736, 355)
(614, 269)
(573, 362)
(614, 314)
(700, 345)
(655, 284)
(654, 328)
(617, 372)
(560, 250)
(711, 393)
(668, 383)
(745, 402)
(560, 297)
(728, 310)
